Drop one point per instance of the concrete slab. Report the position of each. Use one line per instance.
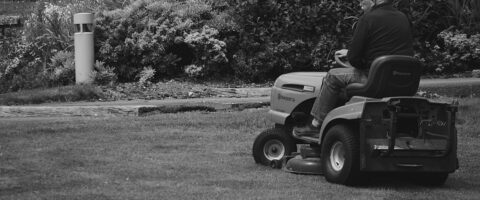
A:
(132, 108)
(249, 98)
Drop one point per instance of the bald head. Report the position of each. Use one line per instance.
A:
(367, 5)
(382, 1)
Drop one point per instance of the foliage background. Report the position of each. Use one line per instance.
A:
(148, 41)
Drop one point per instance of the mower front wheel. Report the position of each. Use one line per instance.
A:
(272, 145)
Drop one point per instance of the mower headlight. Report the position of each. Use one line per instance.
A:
(307, 88)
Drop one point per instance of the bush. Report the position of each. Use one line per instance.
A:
(103, 75)
(194, 71)
(62, 68)
(432, 22)
(145, 76)
(209, 53)
(46, 32)
(278, 36)
(254, 40)
(40, 56)
(24, 68)
(457, 52)
(465, 15)
(151, 34)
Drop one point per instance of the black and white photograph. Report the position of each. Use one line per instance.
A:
(239, 99)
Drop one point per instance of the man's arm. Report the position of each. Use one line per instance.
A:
(357, 46)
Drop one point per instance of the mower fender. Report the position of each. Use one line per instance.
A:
(352, 110)
(292, 90)
(278, 117)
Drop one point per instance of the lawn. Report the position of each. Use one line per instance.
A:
(191, 155)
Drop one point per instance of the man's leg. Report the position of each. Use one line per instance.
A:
(330, 94)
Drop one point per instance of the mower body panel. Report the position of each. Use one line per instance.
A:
(351, 110)
(291, 90)
(408, 134)
(401, 134)
(396, 134)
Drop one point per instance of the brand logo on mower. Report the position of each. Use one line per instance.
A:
(436, 123)
(395, 73)
(281, 97)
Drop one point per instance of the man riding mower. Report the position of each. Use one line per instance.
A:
(382, 128)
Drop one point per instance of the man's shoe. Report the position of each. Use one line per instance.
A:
(306, 131)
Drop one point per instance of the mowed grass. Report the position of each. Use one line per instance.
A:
(185, 156)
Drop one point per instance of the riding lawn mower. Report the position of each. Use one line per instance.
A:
(382, 127)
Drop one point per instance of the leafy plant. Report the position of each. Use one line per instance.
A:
(210, 52)
(281, 36)
(144, 35)
(145, 76)
(254, 40)
(458, 52)
(431, 17)
(103, 75)
(62, 68)
(24, 68)
(465, 14)
(46, 32)
(194, 71)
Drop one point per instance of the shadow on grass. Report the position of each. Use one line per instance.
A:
(408, 182)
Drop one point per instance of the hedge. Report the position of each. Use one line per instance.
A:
(252, 41)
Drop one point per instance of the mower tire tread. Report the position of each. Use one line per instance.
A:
(349, 174)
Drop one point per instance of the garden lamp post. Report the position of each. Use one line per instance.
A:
(84, 53)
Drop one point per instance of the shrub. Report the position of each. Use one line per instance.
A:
(46, 32)
(194, 71)
(253, 40)
(151, 34)
(210, 52)
(145, 76)
(465, 14)
(322, 54)
(457, 52)
(432, 22)
(257, 68)
(24, 68)
(428, 17)
(103, 75)
(51, 22)
(62, 68)
(278, 36)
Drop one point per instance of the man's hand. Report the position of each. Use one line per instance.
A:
(341, 53)
(340, 59)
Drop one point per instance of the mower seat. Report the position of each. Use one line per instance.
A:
(392, 75)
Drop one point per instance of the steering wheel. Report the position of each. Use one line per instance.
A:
(341, 61)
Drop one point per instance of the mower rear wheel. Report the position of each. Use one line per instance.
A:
(271, 145)
(341, 155)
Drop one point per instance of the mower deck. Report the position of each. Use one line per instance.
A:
(307, 139)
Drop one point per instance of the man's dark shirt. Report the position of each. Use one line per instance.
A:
(382, 31)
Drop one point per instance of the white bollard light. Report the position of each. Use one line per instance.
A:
(84, 53)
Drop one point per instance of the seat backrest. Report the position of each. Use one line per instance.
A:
(392, 75)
